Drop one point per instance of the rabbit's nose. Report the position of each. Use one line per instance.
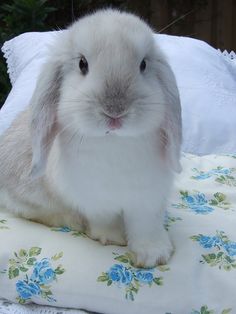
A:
(116, 110)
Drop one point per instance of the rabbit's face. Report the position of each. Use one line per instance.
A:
(105, 75)
(110, 82)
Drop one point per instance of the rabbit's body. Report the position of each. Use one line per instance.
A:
(98, 151)
(109, 176)
(96, 176)
(20, 194)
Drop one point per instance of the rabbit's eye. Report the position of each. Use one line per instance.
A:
(83, 65)
(142, 66)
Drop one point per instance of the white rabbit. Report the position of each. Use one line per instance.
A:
(105, 128)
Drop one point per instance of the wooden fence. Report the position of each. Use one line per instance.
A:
(213, 21)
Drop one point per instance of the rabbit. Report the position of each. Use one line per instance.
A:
(98, 146)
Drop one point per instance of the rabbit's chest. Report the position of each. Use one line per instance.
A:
(111, 173)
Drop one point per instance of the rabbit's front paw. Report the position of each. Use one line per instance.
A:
(107, 235)
(148, 254)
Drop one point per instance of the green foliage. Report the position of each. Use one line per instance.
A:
(23, 15)
(19, 16)
(4, 81)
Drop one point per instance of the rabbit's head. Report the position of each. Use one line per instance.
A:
(105, 75)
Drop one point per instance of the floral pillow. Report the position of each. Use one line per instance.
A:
(63, 267)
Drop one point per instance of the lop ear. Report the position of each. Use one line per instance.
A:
(171, 128)
(44, 105)
(171, 143)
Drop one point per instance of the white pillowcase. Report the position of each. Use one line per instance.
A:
(206, 81)
(25, 55)
(201, 273)
(207, 86)
(24, 49)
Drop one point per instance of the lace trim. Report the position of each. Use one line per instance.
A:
(9, 56)
(228, 55)
(7, 307)
(11, 62)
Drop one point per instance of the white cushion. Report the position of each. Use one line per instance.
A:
(206, 81)
(207, 86)
(23, 49)
(25, 54)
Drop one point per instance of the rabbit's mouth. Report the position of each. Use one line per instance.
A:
(114, 122)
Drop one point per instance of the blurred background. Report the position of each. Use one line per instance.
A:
(213, 21)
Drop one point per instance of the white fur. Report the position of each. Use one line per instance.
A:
(112, 184)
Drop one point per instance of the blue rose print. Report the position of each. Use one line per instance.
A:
(202, 209)
(119, 273)
(222, 175)
(27, 290)
(230, 248)
(225, 171)
(64, 229)
(190, 200)
(144, 276)
(201, 175)
(222, 250)
(43, 272)
(197, 203)
(130, 278)
(37, 274)
(209, 242)
(195, 200)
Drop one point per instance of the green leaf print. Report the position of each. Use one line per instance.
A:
(204, 310)
(219, 200)
(3, 224)
(34, 251)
